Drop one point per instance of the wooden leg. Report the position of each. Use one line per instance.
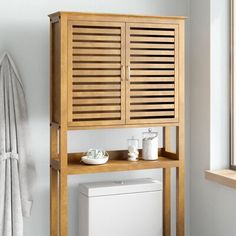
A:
(166, 202)
(167, 139)
(180, 201)
(63, 218)
(53, 202)
(180, 188)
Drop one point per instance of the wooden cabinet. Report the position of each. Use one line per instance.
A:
(120, 72)
(116, 71)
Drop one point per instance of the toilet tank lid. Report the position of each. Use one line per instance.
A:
(120, 187)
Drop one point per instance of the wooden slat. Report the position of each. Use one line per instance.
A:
(97, 58)
(151, 25)
(152, 86)
(96, 94)
(152, 79)
(153, 66)
(96, 31)
(96, 79)
(151, 59)
(97, 65)
(96, 72)
(97, 108)
(152, 100)
(152, 52)
(92, 51)
(96, 87)
(96, 44)
(152, 46)
(152, 72)
(152, 113)
(151, 32)
(96, 115)
(153, 121)
(149, 106)
(96, 101)
(151, 93)
(151, 39)
(98, 38)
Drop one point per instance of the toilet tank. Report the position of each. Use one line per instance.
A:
(121, 208)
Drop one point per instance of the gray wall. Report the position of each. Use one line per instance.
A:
(24, 33)
(213, 211)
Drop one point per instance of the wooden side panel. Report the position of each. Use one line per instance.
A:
(63, 192)
(96, 86)
(152, 73)
(55, 72)
(180, 175)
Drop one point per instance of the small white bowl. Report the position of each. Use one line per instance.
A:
(91, 161)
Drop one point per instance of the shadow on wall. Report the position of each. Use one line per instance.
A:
(29, 48)
(39, 220)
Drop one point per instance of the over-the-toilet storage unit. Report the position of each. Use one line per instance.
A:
(116, 71)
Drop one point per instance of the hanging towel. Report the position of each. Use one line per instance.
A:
(17, 172)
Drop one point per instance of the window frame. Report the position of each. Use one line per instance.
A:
(232, 84)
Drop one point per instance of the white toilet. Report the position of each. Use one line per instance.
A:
(121, 208)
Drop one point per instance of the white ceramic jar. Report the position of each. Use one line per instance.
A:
(150, 146)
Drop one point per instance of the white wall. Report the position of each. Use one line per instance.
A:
(213, 209)
(24, 32)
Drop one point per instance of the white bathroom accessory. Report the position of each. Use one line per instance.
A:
(121, 208)
(150, 145)
(133, 149)
(95, 157)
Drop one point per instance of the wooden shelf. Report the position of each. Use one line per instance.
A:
(120, 165)
(117, 162)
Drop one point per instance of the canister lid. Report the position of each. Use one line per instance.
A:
(150, 134)
(120, 187)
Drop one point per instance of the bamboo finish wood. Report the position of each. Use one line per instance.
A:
(180, 183)
(166, 202)
(54, 209)
(53, 183)
(115, 71)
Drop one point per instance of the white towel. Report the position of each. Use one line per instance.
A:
(16, 170)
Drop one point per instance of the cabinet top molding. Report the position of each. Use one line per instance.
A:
(95, 14)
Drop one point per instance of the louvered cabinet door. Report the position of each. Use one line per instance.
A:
(96, 78)
(152, 73)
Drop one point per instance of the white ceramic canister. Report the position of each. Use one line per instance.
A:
(150, 146)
